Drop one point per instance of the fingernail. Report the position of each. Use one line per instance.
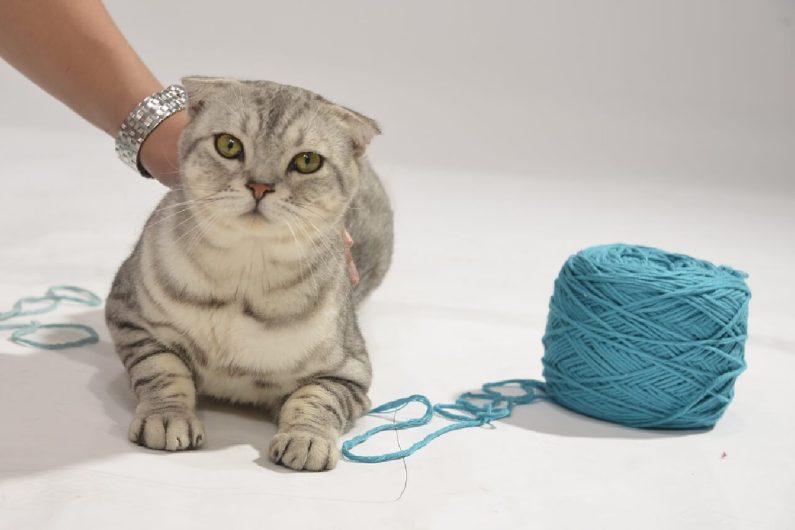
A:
(346, 237)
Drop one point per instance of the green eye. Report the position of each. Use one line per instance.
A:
(228, 146)
(307, 162)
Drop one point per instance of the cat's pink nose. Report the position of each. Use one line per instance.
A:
(258, 189)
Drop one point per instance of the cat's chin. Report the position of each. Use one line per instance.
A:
(254, 216)
(256, 220)
(258, 223)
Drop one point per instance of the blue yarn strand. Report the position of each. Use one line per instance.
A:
(39, 305)
(465, 413)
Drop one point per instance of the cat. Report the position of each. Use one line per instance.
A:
(238, 287)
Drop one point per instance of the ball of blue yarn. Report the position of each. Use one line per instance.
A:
(645, 338)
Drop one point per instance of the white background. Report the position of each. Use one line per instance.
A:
(639, 89)
(515, 133)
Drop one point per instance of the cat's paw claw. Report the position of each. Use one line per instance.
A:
(167, 430)
(304, 451)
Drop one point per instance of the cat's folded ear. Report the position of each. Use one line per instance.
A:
(362, 128)
(200, 89)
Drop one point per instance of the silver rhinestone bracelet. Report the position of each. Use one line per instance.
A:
(144, 118)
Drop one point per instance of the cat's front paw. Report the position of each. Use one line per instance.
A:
(304, 451)
(170, 430)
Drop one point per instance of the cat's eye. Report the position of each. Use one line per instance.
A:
(228, 146)
(306, 162)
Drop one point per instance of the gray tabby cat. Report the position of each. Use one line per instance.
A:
(238, 287)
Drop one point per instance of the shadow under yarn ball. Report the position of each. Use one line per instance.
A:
(645, 338)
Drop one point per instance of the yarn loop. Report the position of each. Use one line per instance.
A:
(38, 305)
(496, 405)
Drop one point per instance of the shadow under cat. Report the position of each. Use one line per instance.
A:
(63, 408)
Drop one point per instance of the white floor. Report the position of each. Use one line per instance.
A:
(465, 303)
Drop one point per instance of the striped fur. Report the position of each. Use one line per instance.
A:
(251, 302)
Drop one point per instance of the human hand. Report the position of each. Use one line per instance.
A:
(159, 152)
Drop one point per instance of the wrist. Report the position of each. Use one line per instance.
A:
(153, 122)
(160, 150)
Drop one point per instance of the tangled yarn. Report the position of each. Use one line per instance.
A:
(645, 338)
(471, 409)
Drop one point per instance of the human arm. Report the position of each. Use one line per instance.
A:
(73, 50)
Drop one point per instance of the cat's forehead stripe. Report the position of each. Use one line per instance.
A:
(288, 115)
(246, 126)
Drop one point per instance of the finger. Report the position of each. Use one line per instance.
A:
(353, 272)
(346, 238)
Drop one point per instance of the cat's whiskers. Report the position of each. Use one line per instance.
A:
(189, 201)
(191, 246)
(297, 209)
(194, 185)
(325, 251)
(186, 206)
(303, 258)
(319, 247)
(198, 229)
(171, 215)
(196, 233)
(198, 223)
(186, 191)
(165, 215)
(311, 241)
(322, 238)
(305, 207)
